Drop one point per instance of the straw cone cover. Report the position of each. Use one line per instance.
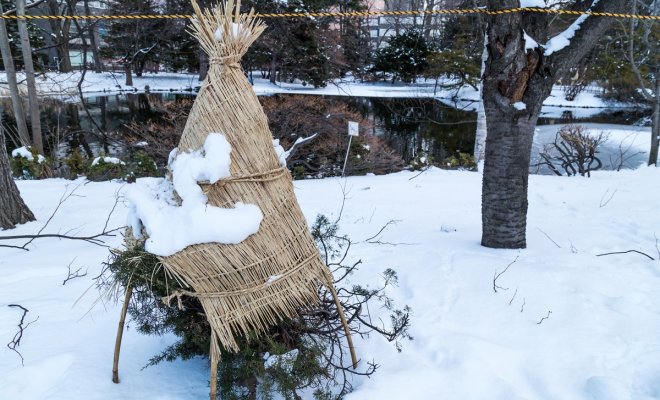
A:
(245, 287)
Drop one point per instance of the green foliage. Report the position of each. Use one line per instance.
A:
(142, 165)
(105, 171)
(298, 172)
(405, 57)
(461, 161)
(34, 33)
(76, 163)
(421, 161)
(24, 168)
(296, 354)
(453, 64)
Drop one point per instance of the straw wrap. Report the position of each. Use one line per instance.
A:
(246, 287)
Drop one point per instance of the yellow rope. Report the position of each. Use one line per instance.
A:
(352, 14)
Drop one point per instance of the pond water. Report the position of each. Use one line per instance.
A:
(409, 125)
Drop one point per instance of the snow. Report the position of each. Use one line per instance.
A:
(533, 3)
(519, 105)
(530, 44)
(284, 361)
(22, 152)
(171, 228)
(235, 31)
(600, 341)
(563, 39)
(279, 150)
(27, 154)
(107, 160)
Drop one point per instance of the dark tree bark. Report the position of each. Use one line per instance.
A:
(13, 209)
(33, 101)
(655, 126)
(61, 29)
(516, 76)
(10, 71)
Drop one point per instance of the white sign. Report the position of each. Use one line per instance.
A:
(353, 128)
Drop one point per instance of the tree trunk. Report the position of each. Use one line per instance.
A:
(129, 73)
(480, 138)
(16, 102)
(61, 31)
(655, 126)
(93, 39)
(515, 84)
(33, 101)
(506, 169)
(13, 209)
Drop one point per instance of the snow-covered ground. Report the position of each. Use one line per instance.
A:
(65, 86)
(600, 340)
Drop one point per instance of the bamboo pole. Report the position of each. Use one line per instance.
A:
(120, 333)
(349, 339)
(214, 366)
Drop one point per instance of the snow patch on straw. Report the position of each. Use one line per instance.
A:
(170, 227)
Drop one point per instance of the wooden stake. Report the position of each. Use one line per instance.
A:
(349, 339)
(120, 333)
(214, 350)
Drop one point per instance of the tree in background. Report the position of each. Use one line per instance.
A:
(135, 41)
(10, 72)
(35, 34)
(643, 55)
(14, 210)
(405, 57)
(296, 48)
(519, 76)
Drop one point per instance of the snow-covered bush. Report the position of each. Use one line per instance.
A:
(302, 353)
(104, 168)
(27, 163)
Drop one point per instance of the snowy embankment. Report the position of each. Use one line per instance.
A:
(600, 339)
(65, 86)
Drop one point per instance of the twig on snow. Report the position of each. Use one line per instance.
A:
(544, 318)
(16, 341)
(627, 251)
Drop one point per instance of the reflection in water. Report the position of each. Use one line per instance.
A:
(409, 125)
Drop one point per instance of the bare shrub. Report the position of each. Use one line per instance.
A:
(573, 152)
(300, 116)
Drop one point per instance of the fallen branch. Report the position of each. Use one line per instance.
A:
(544, 318)
(548, 236)
(496, 276)
(74, 274)
(624, 252)
(93, 239)
(514, 296)
(16, 341)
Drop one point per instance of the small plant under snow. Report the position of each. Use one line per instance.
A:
(27, 154)
(107, 160)
(171, 227)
